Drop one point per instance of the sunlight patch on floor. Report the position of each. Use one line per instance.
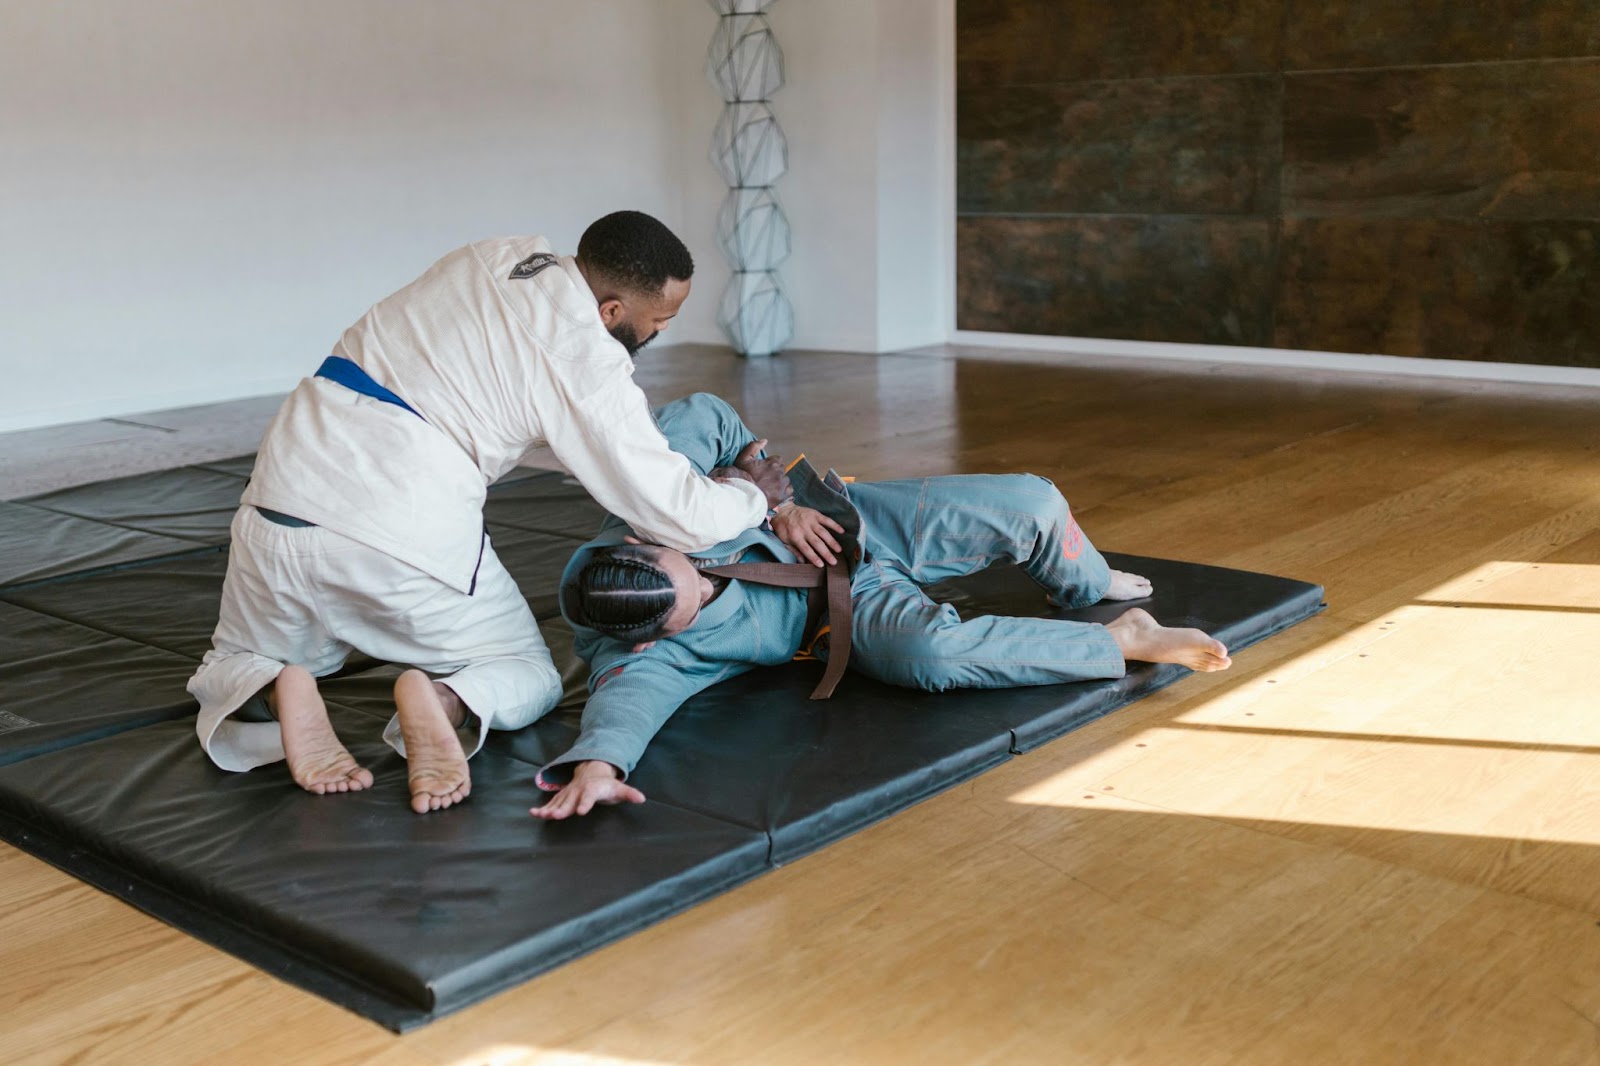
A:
(1469, 712)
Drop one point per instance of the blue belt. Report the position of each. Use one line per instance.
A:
(338, 369)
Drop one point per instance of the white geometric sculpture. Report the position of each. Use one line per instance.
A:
(748, 147)
(749, 150)
(751, 230)
(755, 314)
(745, 62)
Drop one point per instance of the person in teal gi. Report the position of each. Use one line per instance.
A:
(656, 627)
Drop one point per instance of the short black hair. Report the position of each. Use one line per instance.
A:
(634, 252)
(622, 593)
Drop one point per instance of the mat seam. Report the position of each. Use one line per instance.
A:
(111, 568)
(124, 526)
(97, 629)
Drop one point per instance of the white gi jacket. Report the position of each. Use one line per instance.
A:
(500, 348)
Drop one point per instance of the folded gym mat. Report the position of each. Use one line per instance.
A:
(36, 544)
(169, 604)
(402, 917)
(62, 684)
(188, 503)
(353, 896)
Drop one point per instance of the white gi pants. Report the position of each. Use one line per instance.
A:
(309, 596)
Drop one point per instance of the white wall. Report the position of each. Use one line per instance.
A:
(916, 172)
(197, 197)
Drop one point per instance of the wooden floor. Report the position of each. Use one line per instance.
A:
(1375, 840)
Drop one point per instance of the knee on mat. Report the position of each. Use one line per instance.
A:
(533, 708)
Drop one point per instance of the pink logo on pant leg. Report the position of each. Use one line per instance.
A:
(1072, 539)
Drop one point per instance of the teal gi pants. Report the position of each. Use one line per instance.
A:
(927, 530)
(931, 529)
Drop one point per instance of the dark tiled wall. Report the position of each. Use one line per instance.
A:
(1417, 178)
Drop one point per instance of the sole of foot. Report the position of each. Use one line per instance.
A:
(1142, 638)
(437, 765)
(317, 761)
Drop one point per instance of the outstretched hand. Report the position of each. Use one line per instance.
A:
(592, 783)
(807, 533)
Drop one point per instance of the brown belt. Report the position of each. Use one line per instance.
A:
(835, 579)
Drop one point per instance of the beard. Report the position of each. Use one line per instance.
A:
(624, 334)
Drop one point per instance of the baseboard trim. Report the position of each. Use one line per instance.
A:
(1289, 358)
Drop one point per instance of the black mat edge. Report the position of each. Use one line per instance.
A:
(208, 467)
(779, 857)
(113, 729)
(95, 571)
(207, 541)
(320, 977)
(582, 947)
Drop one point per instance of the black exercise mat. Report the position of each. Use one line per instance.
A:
(188, 503)
(239, 466)
(62, 684)
(404, 917)
(169, 603)
(395, 915)
(548, 502)
(536, 560)
(756, 750)
(36, 544)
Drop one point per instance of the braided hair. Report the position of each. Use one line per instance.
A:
(623, 594)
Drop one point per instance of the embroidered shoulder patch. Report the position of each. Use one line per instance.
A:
(531, 266)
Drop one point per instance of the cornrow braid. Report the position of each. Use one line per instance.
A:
(622, 594)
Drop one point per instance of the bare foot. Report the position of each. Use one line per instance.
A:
(317, 760)
(1142, 637)
(1127, 587)
(438, 766)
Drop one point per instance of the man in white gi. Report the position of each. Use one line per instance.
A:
(362, 526)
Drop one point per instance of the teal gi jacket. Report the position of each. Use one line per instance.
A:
(633, 693)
